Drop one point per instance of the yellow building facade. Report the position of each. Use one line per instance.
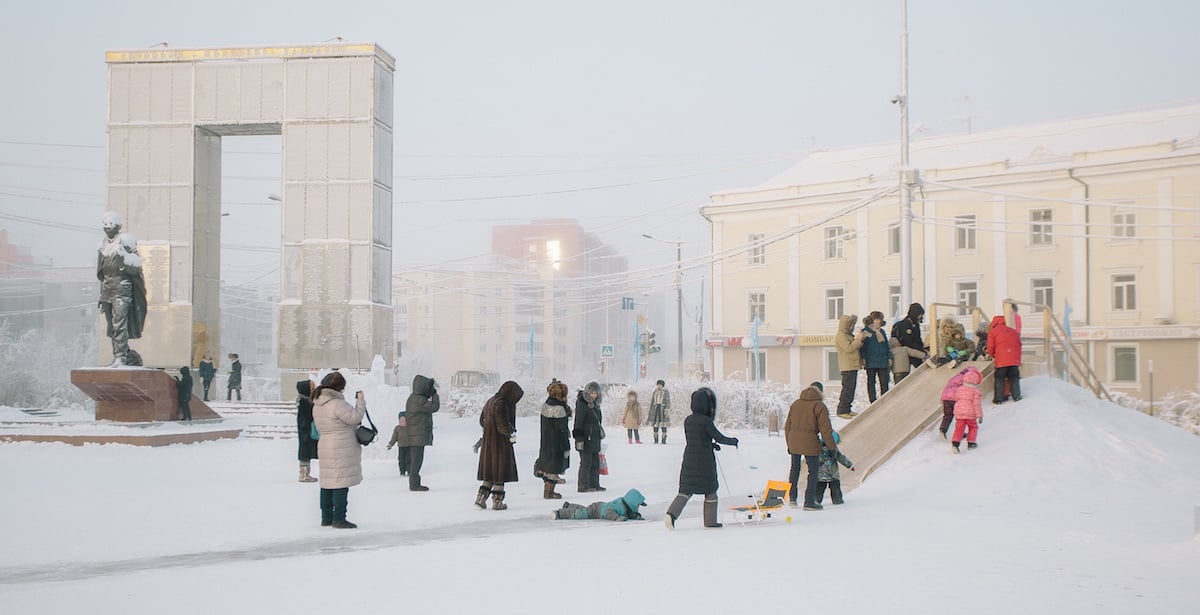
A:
(1099, 213)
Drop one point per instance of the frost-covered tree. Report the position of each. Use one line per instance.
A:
(35, 368)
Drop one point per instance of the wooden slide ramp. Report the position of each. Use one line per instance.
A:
(890, 423)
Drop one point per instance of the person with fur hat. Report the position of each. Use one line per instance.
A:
(849, 361)
(588, 432)
(806, 427)
(624, 508)
(698, 471)
(497, 461)
(554, 453)
(876, 355)
(660, 411)
(908, 332)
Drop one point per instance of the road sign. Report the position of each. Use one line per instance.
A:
(607, 351)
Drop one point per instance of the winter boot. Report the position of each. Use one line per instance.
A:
(344, 525)
(656, 436)
(482, 496)
(305, 476)
(669, 521)
(972, 446)
(498, 501)
(835, 493)
(710, 513)
(631, 441)
(664, 437)
(675, 509)
(548, 492)
(955, 445)
(943, 432)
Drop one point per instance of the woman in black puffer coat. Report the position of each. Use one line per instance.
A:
(698, 473)
(588, 433)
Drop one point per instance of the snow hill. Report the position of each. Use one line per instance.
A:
(1070, 505)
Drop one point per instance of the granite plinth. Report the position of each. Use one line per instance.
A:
(133, 394)
(165, 439)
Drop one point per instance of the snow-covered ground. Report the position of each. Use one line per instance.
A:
(1070, 505)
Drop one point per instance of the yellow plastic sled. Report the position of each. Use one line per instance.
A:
(773, 499)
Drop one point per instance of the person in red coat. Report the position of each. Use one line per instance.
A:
(1004, 346)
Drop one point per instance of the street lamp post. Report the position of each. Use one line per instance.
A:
(357, 354)
(678, 298)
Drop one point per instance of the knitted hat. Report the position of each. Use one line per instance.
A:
(818, 386)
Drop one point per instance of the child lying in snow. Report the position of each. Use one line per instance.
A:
(620, 509)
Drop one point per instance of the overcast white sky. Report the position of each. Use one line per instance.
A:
(618, 92)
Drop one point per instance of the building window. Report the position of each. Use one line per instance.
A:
(1125, 364)
(964, 232)
(893, 235)
(483, 310)
(762, 364)
(1041, 227)
(483, 329)
(758, 307)
(758, 253)
(1124, 292)
(1124, 224)
(894, 301)
(835, 303)
(1041, 290)
(967, 295)
(483, 348)
(833, 372)
(834, 240)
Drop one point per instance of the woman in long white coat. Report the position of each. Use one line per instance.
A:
(338, 447)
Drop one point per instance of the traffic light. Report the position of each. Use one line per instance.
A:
(642, 345)
(651, 346)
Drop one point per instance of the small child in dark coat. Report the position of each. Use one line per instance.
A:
(828, 471)
(400, 435)
(621, 509)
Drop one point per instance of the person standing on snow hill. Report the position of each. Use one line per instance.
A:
(876, 355)
(633, 417)
(1004, 346)
(849, 361)
(698, 472)
(807, 425)
(660, 410)
(554, 454)
(588, 433)
(341, 454)
(908, 332)
(949, 397)
(418, 411)
(968, 409)
(497, 461)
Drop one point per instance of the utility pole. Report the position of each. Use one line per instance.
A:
(678, 298)
(906, 264)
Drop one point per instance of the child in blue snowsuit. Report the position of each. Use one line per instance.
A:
(828, 471)
(621, 509)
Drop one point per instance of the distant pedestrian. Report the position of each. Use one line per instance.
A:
(235, 377)
(306, 449)
(497, 461)
(422, 403)
(660, 411)
(849, 362)
(554, 452)
(207, 373)
(698, 471)
(876, 355)
(341, 454)
(183, 386)
(632, 418)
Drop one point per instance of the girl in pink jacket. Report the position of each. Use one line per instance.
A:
(968, 409)
(949, 398)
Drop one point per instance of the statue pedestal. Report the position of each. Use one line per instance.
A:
(134, 394)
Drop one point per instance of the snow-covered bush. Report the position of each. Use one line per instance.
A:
(1181, 409)
(35, 368)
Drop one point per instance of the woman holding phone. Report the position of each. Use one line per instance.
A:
(338, 448)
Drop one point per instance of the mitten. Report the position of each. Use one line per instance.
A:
(389, 447)
(852, 469)
(981, 420)
(513, 438)
(716, 447)
(735, 443)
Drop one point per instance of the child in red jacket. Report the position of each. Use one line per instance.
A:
(968, 410)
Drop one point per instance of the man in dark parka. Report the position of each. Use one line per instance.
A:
(698, 472)
(497, 461)
(908, 332)
(419, 409)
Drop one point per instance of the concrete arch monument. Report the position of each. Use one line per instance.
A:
(168, 110)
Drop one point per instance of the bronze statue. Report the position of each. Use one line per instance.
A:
(122, 289)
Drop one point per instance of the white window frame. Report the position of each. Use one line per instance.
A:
(761, 304)
(1127, 306)
(1041, 232)
(1035, 289)
(840, 311)
(1112, 365)
(757, 254)
(832, 371)
(965, 233)
(958, 296)
(834, 244)
(894, 306)
(1124, 225)
(893, 239)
